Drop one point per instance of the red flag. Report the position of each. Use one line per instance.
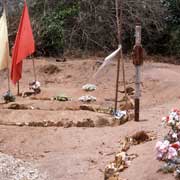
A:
(24, 45)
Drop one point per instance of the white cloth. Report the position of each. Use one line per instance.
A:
(4, 45)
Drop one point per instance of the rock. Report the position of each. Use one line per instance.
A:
(105, 110)
(126, 105)
(114, 177)
(140, 137)
(50, 69)
(87, 98)
(119, 159)
(69, 124)
(59, 124)
(36, 124)
(102, 122)
(61, 98)
(85, 123)
(129, 90)
(87, 108)
(111, 172)
(20, 124)
(126, 144)
(61, 60)
(17, 106)
(41, 98)
(89, 87)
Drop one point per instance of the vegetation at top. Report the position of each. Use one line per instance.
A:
(90, 25)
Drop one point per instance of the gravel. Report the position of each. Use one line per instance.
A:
(15, 169)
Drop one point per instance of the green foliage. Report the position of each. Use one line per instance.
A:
(91, 25)
(53, 28)
(174, 46)
(173, 7)
(173, 26)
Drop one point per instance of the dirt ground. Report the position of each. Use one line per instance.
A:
(78, 153)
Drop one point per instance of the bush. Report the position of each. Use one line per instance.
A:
(61, 25)
(173, 26)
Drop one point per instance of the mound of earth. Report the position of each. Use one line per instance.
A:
(50, 69)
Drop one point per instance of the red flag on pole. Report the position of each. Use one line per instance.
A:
(24, 45)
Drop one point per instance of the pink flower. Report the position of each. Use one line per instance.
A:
(162, 148)
(171, 153)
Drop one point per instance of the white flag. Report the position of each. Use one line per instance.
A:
(108, 60)
(4, 43)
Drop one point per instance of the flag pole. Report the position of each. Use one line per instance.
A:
(34, 70)
(8, 71)
(18, 89)
(122, 58)
(119, 56)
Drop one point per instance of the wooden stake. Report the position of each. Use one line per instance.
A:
(137, 93)
(117, 82)
(137, 62)
(8, 73)
(124, 80)
(18, 89)
(120, 56)
(34, 70)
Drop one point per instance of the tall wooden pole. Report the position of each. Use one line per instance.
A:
(122, 59)
(119, 19)
(117, 82)
(138, 61)
(119, 55)
(7, 46)
(8, 73)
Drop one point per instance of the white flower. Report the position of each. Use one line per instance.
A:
(174, 135)
(171, 122)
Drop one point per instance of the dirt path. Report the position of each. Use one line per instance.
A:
(82, 153)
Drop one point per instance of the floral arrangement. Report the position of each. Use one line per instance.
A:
(168, 150)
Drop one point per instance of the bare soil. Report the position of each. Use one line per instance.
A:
(78, 153)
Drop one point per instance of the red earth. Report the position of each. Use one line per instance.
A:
(78, 153)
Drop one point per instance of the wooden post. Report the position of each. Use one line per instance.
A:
(119, 37)
(7, 46)
(137, 93)
(34, 70)
(18, 89)
(138, 61)
(8, 73)
(117, 82)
